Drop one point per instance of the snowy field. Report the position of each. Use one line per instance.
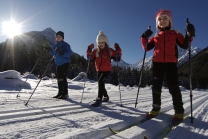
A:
(45, 117)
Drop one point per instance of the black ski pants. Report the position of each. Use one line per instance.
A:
(101, 84)
(62, 71)
(170, 71)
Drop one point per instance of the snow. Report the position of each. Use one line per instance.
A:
(81, 76)
(45, 117)
(11, 80)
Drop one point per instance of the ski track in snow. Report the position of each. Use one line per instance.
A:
(62, 117)
(195, 127)
(152, 128)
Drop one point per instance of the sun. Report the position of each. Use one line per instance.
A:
(11, 28)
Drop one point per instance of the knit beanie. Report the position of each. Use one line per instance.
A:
(60, 33)
(166, 13)
(101, 38)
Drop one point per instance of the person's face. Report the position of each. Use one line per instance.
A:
(163, 21)
(59, 38)
(101, 45)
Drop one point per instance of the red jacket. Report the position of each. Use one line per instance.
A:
(103, 63)
(165, 44)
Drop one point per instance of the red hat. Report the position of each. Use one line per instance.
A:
(164, 13)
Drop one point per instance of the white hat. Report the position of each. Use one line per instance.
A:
(101, 38)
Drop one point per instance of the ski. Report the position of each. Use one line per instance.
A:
(136, 123)
(168, 129)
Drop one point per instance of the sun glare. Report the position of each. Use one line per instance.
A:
(11, 28)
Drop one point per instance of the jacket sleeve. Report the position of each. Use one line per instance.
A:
(52, 51)
(93, 55)
(116, 55)
(183, 42)
(68, 51)
(150, 44)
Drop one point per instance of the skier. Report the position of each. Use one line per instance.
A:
(62, 53)
(165, 61)
(102, 56)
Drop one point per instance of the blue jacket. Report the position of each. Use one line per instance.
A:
(61, 59)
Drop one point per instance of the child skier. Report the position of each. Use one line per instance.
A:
(62, 52)
(102, 56)
(165, 61)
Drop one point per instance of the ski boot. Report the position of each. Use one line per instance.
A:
(105, 99)
(152, 114)
(58, 95)
(64, 96)
(177, 118)
(97, 103)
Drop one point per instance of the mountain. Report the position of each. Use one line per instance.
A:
(22, 51)
(199, 66)
(183, 56)
(138, 65)
(32, 37)
(121, 63)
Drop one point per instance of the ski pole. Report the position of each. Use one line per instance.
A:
(88, 65)
(40, 79)
(119, 86)
(118, 78)
(190, 74)
(31, 72)
(140, 78)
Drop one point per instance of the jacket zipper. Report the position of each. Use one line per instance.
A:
(101, 60)
(164, 46)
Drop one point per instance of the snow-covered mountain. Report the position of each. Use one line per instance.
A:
(138, 65)
(32, 37)
(121, 63)
(183, 56)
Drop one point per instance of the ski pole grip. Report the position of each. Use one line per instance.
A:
(187, 21)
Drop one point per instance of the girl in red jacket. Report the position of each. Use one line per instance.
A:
(165, 61)
(102, 56)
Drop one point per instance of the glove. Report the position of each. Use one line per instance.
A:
(46, 47)
(89, 50)
(117, 47)
(91, 46)
(60, 52)
(190, 30)
(118, 51)
(147, 33)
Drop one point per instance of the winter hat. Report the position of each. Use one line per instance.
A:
(166, 13)
(101, 38)
(60, 33)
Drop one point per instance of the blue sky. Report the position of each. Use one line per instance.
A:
(123, 21)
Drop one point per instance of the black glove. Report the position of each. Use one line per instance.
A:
(190, 30)
(60, 52)
(147, 33)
